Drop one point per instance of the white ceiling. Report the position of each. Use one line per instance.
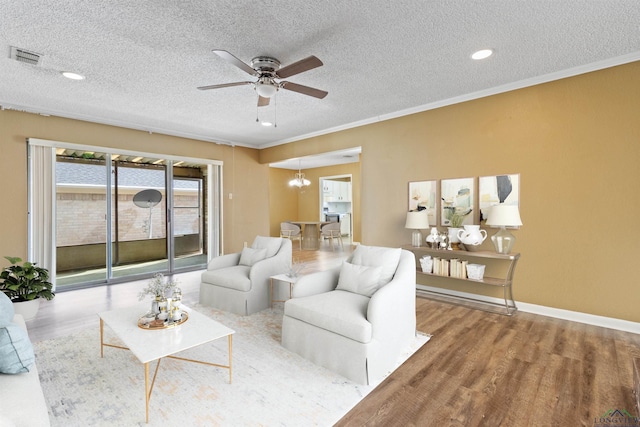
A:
(144, 59)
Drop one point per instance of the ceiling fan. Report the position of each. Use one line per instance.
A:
(268, 71)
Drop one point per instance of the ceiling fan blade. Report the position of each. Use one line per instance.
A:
(235, 61)
(262, 101)
(224, 85)
(305, 90)
(301, 66)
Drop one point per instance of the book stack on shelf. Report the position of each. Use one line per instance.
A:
(458, 268)
(454, 267)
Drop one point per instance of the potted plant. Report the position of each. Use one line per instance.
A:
(25, 284)
(158, 287)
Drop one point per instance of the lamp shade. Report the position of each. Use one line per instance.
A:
(504, 216)
(417, 220)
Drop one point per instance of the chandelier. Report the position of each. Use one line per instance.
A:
(299, 180)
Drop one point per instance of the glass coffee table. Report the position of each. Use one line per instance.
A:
(150, 345)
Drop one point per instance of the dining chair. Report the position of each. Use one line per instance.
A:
(291, 232)
(332, 231)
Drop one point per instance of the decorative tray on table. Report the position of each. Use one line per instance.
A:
(145, 322)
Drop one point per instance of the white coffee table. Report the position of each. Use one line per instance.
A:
(150, 345)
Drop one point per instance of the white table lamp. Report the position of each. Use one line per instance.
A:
(504, 216)
(417, 220)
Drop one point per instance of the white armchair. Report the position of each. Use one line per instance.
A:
(239, 282)
(357, 319)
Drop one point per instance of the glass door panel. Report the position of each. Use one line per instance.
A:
(188, 218)
(139, 231)
(81, 227)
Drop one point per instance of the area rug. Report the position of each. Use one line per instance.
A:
(271, 386)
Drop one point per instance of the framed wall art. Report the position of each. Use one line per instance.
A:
(497, 189)
(423, 194)
(457, 197)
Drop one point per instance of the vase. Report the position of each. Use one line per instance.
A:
(472, 235)
(453, 237)
(176, 299)
(163, 305)
(155, 305)
(28, 309)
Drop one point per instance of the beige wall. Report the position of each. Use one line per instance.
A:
(576, 145)
(245, 215)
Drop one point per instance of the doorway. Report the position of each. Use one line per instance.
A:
(336, 203)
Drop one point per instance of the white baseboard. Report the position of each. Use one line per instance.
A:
(574, 316)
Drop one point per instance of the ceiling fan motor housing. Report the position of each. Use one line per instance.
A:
(265, 65)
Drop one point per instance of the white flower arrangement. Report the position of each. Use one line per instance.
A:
(158, 287)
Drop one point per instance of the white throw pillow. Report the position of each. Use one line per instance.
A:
(359, 279)
(250, 256)
(374, 256)
(271, 244)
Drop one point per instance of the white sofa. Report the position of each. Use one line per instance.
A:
(334, 323)
(22, 402)
(239, 282)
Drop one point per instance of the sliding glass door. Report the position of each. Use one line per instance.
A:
(124, 216)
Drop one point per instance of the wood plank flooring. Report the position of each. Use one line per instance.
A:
(478, 369)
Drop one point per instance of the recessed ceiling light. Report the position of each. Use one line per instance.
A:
(72, 76)
(482, 54)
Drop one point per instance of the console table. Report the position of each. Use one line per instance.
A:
(499, 272)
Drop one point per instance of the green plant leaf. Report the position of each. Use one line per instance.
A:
(25, 282)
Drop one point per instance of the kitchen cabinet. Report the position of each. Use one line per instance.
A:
(336, 191)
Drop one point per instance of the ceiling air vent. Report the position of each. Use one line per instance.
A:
(23, 55)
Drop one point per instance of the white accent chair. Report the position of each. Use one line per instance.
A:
(291, 232)
(239, 282)
(332, 231)
(356, 319)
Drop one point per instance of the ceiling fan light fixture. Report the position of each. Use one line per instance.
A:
(266, 124)
(266, 88)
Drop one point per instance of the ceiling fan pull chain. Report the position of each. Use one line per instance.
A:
(257, 112)
(275, 111)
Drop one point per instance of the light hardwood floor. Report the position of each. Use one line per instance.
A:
(478, 368)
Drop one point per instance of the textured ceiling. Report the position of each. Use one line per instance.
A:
(144, 59)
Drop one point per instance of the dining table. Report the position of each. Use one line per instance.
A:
(310, 232)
